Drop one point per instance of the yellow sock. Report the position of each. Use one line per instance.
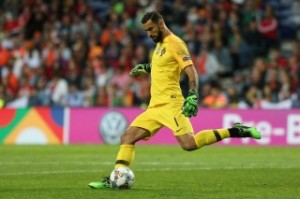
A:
(207, 137)
(125, 155)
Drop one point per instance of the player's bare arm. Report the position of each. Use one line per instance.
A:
(192, 76)
(190, 106)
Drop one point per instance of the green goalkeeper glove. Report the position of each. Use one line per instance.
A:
(140, 70)
(190, 105)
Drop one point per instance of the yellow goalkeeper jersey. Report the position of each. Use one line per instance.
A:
(169, 58)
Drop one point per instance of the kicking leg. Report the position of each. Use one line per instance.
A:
(189, 142)
(238, 130)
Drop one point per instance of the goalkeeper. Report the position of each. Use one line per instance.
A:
(167, 106)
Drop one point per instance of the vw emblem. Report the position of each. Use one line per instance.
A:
(112, 126)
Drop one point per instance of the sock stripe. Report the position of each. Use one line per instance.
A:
(218, 137)
(124, 162)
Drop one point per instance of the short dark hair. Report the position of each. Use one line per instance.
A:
(154, 16)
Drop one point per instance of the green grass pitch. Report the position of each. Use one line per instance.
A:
(161, 172)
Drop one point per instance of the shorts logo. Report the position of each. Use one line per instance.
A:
(178, 130)
(112, 126)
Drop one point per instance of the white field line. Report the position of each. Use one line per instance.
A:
(250, 165)
(48, 172)
(146, 170)
(92, 163)
(55, 163)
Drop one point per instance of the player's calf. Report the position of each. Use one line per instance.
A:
(187, 142)
(189, 147)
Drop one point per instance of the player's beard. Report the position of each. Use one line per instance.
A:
(158, 38)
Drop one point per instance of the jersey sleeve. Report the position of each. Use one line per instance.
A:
(181, 54)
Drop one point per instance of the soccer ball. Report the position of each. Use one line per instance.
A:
(122, 178)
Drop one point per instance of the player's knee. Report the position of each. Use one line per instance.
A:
(189, 146)
(127, 138)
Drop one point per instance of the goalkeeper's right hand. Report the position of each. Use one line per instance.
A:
(140, 70)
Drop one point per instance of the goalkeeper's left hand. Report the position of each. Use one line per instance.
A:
(140, 70)
(190, 106)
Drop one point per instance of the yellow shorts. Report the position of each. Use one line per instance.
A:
(168, 115)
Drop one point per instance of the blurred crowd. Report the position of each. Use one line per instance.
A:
(78, 53)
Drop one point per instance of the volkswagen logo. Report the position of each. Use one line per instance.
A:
(112, 126)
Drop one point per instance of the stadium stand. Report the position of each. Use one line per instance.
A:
(78, 53)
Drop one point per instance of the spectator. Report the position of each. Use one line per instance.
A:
(101, 97)
(58, 89)
(232, 96)
(34, 100)
(32, 59)
(43, 95)
(25, 88)
(74, 98)
(268, 27)
(73, 73)
(112, 52)
(257, 47)
(216, 99)
(252, 97)
(102, 71)
(223, 55)
(115, 95)
(4, 58)
(207, 65)
(89, 91)
(239, 50)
